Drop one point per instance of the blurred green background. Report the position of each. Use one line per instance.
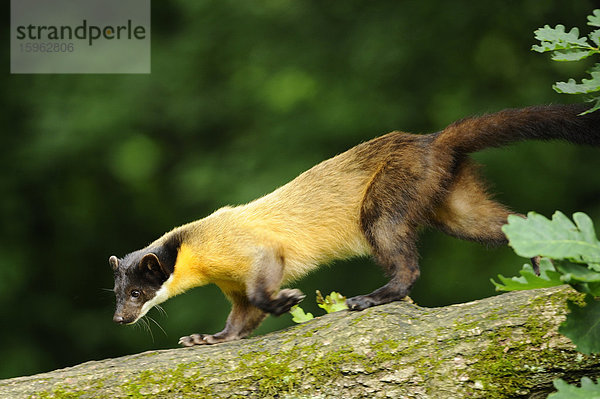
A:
(244, 96)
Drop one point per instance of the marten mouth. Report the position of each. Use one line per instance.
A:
(124, 320)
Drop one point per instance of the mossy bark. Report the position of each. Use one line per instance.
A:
(506, 346)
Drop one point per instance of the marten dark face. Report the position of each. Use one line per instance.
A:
(138, 281)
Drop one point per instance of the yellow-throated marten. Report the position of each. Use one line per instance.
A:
(369, 200)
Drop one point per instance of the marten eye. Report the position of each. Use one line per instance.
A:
(135, 293)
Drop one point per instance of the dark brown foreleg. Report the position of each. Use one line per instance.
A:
(242, 320)
(263, 284)
(251, 303)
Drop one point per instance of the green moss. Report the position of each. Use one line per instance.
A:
(466, 326)
(175, 381)
(358, 319)
(271, 375)
(66, 392)
(515, 353)
(275, 375)
(501, 373)
(328, 366)
(384, 350)
(576, 297)
(387, 350)
(559, 298)
(59, 393)
(493, 315)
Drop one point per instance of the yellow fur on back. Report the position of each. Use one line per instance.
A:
(311, 220)
(315, 217)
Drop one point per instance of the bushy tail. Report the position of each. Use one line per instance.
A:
(561, 122)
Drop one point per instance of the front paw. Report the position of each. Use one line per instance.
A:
(286, 298)
(200, 339)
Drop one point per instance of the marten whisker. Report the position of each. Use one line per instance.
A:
(158, 325)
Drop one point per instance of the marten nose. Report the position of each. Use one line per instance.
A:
(118, 319)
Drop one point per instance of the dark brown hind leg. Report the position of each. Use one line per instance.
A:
(395, 250)
(467, 212)
(389, 219)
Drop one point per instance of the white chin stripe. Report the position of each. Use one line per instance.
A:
(161, 295)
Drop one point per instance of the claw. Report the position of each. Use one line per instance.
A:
(194, 339)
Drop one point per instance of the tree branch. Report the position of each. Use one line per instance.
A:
(504, 346)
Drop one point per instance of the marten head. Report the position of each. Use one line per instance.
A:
(140, 280)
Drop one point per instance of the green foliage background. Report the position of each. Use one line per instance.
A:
(244, 96)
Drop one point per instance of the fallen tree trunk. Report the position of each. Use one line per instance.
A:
(499, 347)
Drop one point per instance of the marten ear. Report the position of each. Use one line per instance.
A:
(151, 263)
(114, 262)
